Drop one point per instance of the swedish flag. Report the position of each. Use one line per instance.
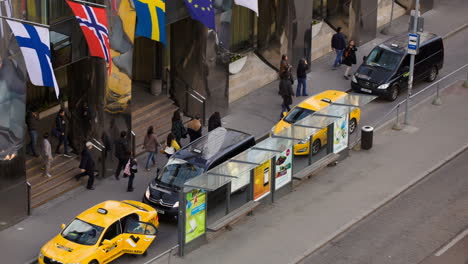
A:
(151, 19)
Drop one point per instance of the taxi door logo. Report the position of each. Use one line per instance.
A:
(133, 241)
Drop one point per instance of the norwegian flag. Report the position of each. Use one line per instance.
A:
(93, 23)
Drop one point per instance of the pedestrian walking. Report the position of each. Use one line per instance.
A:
(171, 145)
(284, 65)
(214, 121)
(121, 149)
(194, 128)
(150, 144)
(61, 132)
(87, 166)
(32, 122)
(302, 68)
(46, 154)
(178, 130)
(286, 92)
(349, 58)
(130, 169)
(338, 44)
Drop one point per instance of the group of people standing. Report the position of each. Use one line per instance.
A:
(345, 54)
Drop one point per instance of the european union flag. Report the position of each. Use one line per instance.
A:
(203, 11)
(151, 19)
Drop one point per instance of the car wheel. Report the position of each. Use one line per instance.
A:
(316, 146)
(393, 93)
(352, 126)
(94, 262)
(432, 74)
(145, 253)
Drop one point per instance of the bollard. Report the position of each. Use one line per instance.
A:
(397, 125)
(437, 100)
(465, 84)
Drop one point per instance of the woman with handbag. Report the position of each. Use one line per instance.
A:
(171, 146)
(130, 169)
(349, 58)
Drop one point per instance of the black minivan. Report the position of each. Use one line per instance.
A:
(385, 70)
(193, 160)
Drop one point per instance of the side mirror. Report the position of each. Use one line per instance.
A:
(364, 58)
(106, 242)
(284, 114)
(63, 226)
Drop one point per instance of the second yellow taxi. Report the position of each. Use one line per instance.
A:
(307, 107)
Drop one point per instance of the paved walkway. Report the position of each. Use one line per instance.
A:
(256, 114)
(338, 197)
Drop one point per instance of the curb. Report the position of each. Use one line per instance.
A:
(389, 199)
(455, 31)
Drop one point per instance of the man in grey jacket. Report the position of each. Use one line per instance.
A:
(47, 154)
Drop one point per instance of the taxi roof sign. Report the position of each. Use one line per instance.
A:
(102, 211)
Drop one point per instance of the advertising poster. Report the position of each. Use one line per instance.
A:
(262, 179)
(195, 214)
(283, 168)
(340, 134)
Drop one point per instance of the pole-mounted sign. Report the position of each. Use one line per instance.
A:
(413, 43)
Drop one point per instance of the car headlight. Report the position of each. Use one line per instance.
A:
(304, 141)
(176, 204)
(147, 193)
(354, 79)
(383, 86)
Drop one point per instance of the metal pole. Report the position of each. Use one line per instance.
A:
(391, 15)
(24, 21)
(397, 125)
(411, 73)
(437, 100)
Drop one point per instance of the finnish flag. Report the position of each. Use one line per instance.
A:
(34, 43)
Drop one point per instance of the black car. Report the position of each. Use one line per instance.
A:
(193, 160)
(385, 70)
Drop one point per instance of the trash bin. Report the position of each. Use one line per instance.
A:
(367, 134)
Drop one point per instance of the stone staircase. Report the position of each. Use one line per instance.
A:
(157, 114)
(44, 189)
(255, 74)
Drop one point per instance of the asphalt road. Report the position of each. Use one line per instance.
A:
(410, 228)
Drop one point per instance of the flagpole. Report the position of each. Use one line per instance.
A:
(88, 3)
(24, 21)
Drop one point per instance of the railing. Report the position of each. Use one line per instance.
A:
(133, 135)
(191, 93)
(99, 146)
(167, 253)
(436, 100)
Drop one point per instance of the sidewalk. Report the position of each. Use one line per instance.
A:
(338, 197)
(263, 106)
(256, 114)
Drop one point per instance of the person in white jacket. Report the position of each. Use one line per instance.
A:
(47, 154)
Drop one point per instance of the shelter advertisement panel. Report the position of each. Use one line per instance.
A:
(262, 179)
(195, 219)
(283, 168)
(340, 134)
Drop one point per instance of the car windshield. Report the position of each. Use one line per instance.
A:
(176, 174)
(383, 58)
(82, 233)
(296, 114)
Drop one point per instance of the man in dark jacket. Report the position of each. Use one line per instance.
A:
(302, 78)
(121, 150)
(214, 121)
(338, 44)
(87, 166)
(286, 92)
(61, 128)
(32, 121)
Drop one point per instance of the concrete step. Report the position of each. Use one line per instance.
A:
(147, 107)
(49, 184)
(36, 176)
(153, 113)
(64, 187)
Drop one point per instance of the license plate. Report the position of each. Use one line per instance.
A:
(160, 211)
(366, 90)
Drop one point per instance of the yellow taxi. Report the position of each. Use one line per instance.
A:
(307, 107)
(103, 233)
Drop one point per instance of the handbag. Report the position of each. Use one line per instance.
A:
(169, 150)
